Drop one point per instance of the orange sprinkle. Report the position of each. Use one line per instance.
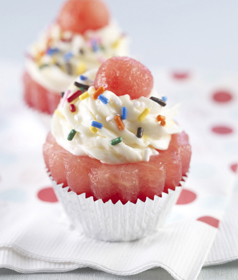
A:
(119, 122)
(48, 43)
(163, 123)
(98, 92)
(41, 53)
(160, 118)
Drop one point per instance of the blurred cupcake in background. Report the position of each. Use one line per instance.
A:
(82, 38)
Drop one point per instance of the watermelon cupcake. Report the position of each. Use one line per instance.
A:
(82, 37)
(115, 155)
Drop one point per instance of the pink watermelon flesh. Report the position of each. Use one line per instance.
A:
(184, 150)
(78, 16)
(124, 182)
(39, 97)
(124, 75)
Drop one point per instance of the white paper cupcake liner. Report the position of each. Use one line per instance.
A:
(116, 222)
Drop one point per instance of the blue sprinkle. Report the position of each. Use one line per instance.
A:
(94, 45)
(164, 98)
(52, 51)
(83, 78)
(123, 113)
(103, 99)
(68, 55)
(97, 124)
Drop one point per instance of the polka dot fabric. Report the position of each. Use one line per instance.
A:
(208, 102)
(47, 195)
(34, 221)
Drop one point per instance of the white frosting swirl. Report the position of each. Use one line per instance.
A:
(110, 41)
(98, 145)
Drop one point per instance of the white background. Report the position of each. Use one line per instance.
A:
(179, 34)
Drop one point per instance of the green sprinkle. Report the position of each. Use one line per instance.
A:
(43, 66)
(116, 141)
(82, 89)
(71, 134)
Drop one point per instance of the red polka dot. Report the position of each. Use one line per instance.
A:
(186, 197)
(219, 129)
(180, 75)
(222, 96)
(234, 167)
(210, 221)
(47, 195)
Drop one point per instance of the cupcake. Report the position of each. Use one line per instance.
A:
(115, 155)
(82, 38)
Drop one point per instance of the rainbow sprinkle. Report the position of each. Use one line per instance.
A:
(93, 129)
(42, 66)
(123, 113)
(68, 55)
(109, 118)
(139, 132)
(74, 96)
(103, 99)
(147, 154)
(71, 134)
(117, 100)
(57, 112)
(84, 95)
(143, 115)
(94, 45)
(97, 124)
(81, 68)
(116, 43)
(52, 51)
(119, 123)
(98, 92)
(83, 78)
(79, 85)
(159, 101)
(65, 97)
(72, 108)
(161, 119)
(69, 68)
(116, 141)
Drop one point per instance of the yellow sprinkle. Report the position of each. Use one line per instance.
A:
(38, 59)
(53, 60)
(116, 43)
(93, 129)
(93, 115)
(61, 34)
(57, 112)
(143, 114)
(84, 95)
(81, 68)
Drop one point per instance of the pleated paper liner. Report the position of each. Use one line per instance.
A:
(116, 222)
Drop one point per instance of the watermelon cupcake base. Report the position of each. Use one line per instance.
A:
(116, 222)
(38, 97)
(40, 101)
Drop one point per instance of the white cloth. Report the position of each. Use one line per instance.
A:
(35, 235)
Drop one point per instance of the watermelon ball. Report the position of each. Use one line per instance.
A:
(124, 75)
(78, 16)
